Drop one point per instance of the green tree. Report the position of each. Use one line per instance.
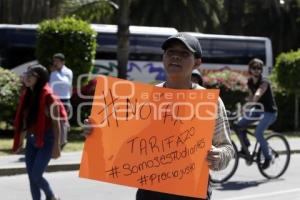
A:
(93, 11)
(276, 19)
(286, 74)
(185, 15)
(28, 11)
(74, 38)
(10, 86)
(103, 11)
(233, 16)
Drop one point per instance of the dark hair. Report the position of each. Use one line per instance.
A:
(196, 73)
(255, 62)
(199, 78)
(32, 97)
(59, 56)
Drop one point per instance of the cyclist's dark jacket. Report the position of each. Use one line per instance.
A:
(267, 99)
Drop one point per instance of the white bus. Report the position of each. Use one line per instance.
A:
(17, 51)
(145, 55)
(234, 52)
(18, 42)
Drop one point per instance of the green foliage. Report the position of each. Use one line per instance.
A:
(287, 70)
(286, 109)
(74, 38)
(99, 11)
(196, 15)
(232, 85)
(9, 92)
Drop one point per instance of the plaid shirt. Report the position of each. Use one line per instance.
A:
(221, 139)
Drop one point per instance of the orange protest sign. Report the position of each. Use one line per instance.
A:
(150, 137)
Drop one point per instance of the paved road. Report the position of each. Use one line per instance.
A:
(247, 184)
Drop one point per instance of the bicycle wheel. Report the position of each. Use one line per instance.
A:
(223, 175)
(281, 154)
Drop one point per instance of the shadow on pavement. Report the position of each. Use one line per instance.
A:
(239, 185)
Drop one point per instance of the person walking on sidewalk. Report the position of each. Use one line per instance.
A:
(37, 119)
(61, 78)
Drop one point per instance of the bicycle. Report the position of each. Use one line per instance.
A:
(278, 146)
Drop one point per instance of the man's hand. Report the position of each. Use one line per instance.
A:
(87, 128)
(214, 158)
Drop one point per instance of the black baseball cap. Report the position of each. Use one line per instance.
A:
(59, 56)
(191, 42)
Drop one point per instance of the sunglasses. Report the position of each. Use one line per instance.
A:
(256, 68)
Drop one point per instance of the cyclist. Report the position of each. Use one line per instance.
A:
(264, 109)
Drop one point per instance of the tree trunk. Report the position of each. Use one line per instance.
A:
(123, 38)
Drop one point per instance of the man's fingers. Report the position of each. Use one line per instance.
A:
(213, 158)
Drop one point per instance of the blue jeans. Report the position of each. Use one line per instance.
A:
(265, 120)
(37, 160)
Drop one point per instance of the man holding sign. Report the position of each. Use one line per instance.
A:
(172, 134)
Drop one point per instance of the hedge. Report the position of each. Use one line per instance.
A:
(10, 86)
(286, 108)
(74, 38)
(287, 70)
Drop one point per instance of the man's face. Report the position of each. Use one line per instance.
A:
(179, 62)
(256, 71)
(57, 63)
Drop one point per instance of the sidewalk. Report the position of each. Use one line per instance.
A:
(14, 164)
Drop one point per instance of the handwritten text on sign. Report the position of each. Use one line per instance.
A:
(150, 137)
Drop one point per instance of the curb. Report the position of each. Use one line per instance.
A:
(51, 168)
(10, 171)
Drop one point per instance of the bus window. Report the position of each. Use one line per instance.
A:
(206, 46)
(138, 43)
(106, 42)
(228, 51)
(24, 54)
(17, 46)
(147, 43)
(257, 49)
(234, 52)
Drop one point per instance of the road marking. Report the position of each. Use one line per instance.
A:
(264, 195)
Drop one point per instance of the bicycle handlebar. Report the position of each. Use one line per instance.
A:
(231, 115)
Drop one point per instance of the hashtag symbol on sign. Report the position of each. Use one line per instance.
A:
(143, 180)
(113, 172)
